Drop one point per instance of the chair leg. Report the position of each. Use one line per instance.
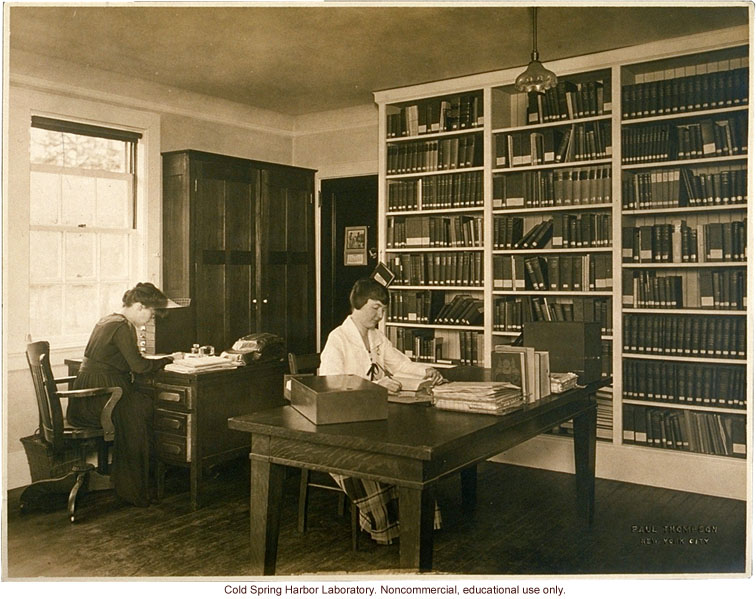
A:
(355, 520)
(304, 482)
(342, 503)
(81, 480)
(47, 493)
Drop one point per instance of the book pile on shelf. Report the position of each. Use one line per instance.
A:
(443, 154)
(684, 335)
(707, 138)
(567, 100)
(578, 142)
(679, 243)
(434, 231)
(463, 309)
(460, 111)
(494, 398)
(554, 273)
(705, 91)
(709, 289)
(684, 187)
(510, 313)
(525, 367)
(685, 430)
(438, 268)
(684, 383)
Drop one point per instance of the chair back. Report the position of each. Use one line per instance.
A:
(48, 403)
(304, 363)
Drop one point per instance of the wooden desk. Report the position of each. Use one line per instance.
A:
(192, 411)
(414, 448)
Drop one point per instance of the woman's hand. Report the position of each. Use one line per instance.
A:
(434, 376)
(392, 385)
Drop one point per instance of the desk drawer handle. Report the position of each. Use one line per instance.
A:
(170, 423)
(169, 396)
(171, 448)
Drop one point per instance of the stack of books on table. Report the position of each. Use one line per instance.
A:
(482, 397)
(192, 365)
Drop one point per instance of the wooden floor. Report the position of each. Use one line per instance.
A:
(525, 522)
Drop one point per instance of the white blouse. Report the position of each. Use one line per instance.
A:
(345, 353)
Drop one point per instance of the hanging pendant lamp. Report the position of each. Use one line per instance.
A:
(536, 78)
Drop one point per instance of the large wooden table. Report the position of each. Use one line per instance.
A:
(414, 448)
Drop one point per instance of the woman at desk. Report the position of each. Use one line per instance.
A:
(357, 347)
(111, 356)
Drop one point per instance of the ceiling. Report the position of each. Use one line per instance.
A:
(301, 59)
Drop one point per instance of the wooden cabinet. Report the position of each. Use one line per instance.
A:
(238, 240)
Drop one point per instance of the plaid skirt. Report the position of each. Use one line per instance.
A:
(378, 504)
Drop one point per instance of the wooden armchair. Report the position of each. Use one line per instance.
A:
(60, 440)
(308, 364)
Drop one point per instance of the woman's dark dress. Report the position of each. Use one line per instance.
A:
(110, 357)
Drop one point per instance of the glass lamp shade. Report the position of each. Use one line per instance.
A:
(536, 78)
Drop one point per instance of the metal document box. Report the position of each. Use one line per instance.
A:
(336, 398)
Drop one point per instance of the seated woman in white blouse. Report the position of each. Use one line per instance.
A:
(358, 347)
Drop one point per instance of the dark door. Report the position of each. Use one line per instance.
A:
(348, 202)
(286, 297)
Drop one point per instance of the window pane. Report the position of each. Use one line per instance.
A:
(80, 256)
(111, 297)
(46, 147)
(83, 151)
(113, 203)
(78, 200)
(45, 304)
(114, 256)
(45, 256)
(44, 200)
(79, 317)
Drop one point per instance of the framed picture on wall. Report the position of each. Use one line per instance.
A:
(355, 246)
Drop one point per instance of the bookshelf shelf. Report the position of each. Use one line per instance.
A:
(550, 209)
(513, 197)
(668, 358)
(678, 116)
(552, 165)
(683, 406)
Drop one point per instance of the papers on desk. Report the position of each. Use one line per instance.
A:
(191, 365)
(480, 397)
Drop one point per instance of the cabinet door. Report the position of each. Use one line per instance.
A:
(286, 295)
(224, 251)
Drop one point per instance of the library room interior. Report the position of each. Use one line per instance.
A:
(376, 290)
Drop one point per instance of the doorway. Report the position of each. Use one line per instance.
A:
(347, 202)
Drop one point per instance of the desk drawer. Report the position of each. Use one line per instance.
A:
(172, 448)
(172, 396)
(167, 421)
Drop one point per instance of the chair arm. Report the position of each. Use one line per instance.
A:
(65, 379)
(106, 416)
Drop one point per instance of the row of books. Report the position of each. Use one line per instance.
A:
(553, 273)
(463, 151)
(430, 307)
(682, 187)
(684, 335)
(580, 141)
(438, 268)
(511, 313)
(524, 367)
(425, 345)
(679, 243)
(558, 187)
(588, 229)
(458, 230)
(450, 190)
(461, 111)
(707, 138)
(679, 382)
(567, 100)
(685, 430)
(705, 91)
(707, 289)
(508, 233)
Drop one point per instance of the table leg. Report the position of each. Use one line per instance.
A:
(416, 513)
(195, 484)
(469, 483)
(585, 462)
(266, 493)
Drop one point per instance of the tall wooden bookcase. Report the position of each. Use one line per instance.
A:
(620, 196)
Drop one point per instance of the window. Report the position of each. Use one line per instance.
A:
(82, 215)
